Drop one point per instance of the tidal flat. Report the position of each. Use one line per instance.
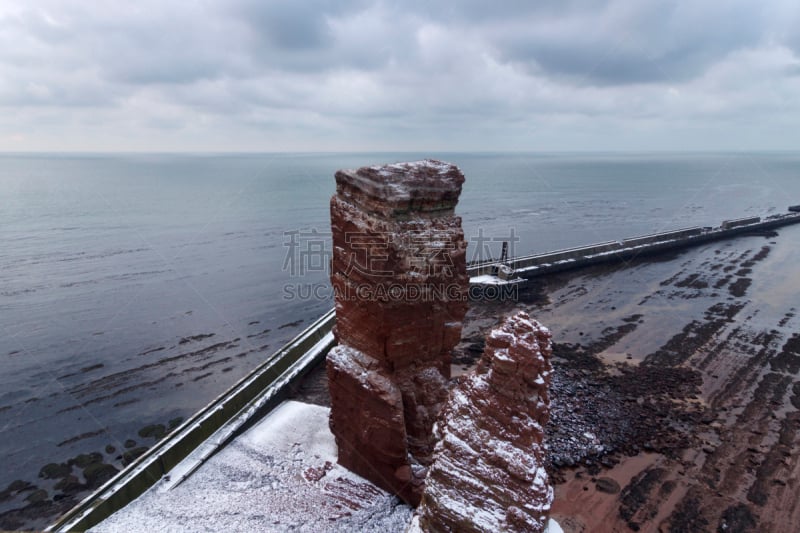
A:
(675, 401)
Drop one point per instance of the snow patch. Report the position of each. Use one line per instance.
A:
(280, 475)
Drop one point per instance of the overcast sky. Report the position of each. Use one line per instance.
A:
(329, 75)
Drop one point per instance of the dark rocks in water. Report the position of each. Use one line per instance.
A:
(195, 338)
(36, 514)
(488, 472)
(16, 486)
(130, 456)
(156, 431)
(36, 496)
(70, 485)
(55, 470)
(98, 473)
(33, 507)
(83, 460)
(401, 287)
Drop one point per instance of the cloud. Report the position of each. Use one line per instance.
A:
(288, 25)
(381, 74)
(616, 43)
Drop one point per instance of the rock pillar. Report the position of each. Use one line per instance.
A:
(401, 288)
(488, 470)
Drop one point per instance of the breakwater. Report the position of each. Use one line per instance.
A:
(529, 266)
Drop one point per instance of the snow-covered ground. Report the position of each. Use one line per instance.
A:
(280, 475)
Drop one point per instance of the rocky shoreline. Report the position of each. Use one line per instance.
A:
(675, 394)
(62, 485)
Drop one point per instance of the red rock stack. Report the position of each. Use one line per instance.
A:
(488, 470)
(401, 287)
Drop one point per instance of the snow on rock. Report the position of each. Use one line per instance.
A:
(421, 186)
(401, 286)
(488, 470)
(278, 476)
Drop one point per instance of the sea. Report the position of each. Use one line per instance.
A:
(134, 289)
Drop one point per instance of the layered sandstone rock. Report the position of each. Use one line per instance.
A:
(488, 472)
(399, 276)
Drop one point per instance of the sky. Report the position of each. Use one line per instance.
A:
(372, 75)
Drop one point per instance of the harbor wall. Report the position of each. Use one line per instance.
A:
(530, 266)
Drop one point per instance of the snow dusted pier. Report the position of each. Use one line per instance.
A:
(516, 270)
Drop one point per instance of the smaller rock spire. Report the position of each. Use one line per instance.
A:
(488, 471)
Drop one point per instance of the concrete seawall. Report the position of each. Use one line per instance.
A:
(530, 266)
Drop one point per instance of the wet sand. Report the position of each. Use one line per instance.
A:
(676, 395)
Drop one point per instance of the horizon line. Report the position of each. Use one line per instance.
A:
(367, 152)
